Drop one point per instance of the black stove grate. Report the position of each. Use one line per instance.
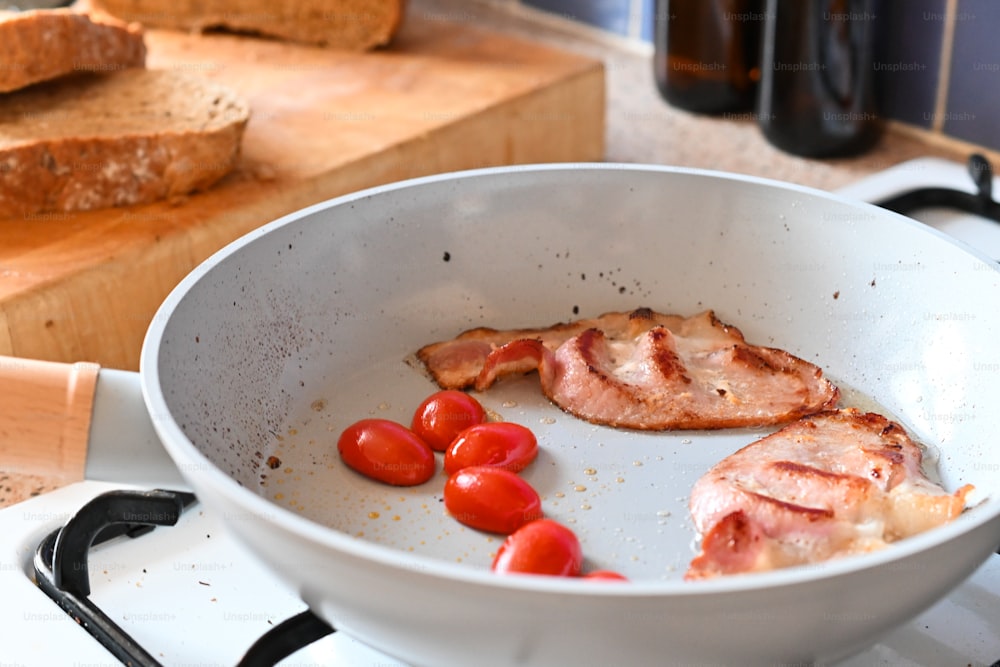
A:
(61, 571)
(980, 203)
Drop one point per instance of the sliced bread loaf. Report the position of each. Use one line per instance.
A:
(129, 137)
(43, 44)
(355, 25)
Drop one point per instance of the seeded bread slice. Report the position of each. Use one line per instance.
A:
(130, 137)
(43, 44)
(355, 25)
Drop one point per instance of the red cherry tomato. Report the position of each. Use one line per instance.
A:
(491, 499)
(445, 414)
(605, 575)
(540, 547)
(387, 452)
(500, 444)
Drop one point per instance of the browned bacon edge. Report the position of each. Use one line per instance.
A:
(456, 363)
(849, 470)
(581, 373)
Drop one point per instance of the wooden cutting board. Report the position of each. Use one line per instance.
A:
(445, 96)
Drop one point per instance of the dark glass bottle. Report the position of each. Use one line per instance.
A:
(816, 95)
(707, 52)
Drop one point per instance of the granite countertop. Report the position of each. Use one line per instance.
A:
(642, 128)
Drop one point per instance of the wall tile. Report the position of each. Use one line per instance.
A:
(648, 10)
(610, 15)
(974, 87)
(908, 58)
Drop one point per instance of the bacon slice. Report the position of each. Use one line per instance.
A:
(642, 370)
(835, 483)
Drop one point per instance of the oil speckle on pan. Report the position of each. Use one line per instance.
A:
(256, 346)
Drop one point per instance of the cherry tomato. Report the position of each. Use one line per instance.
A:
(445, 414)
(387, 452)
(491, 499)
(605, 575)
(500, 444)
(540, 547)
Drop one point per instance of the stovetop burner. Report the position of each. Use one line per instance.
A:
(979, 203)
(61, 570)
(115, 519)
(950, 197)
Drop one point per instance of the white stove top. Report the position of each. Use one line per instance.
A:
(981, 234)
(191, 595)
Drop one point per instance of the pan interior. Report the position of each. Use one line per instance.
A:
(290, 337)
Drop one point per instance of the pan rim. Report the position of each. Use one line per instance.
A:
(194, 464)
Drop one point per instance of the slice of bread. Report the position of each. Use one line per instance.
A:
(97, 140)
(43, 44)
(355, 25)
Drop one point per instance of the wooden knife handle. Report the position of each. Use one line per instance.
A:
(45, 410)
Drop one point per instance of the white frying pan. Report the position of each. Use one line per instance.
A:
(288, 335)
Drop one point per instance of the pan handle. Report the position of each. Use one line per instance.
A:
(45, 417)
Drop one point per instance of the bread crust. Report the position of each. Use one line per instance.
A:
(82, 162)
(355, 25)
(44, 44)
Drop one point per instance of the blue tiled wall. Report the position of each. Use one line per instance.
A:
(908, 59)
(611, 15)
(974, 88)
(926, 77)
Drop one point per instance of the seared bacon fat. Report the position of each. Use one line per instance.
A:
(642, 370)
(835, 483)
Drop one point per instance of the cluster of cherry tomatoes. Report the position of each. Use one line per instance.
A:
(484, 491)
